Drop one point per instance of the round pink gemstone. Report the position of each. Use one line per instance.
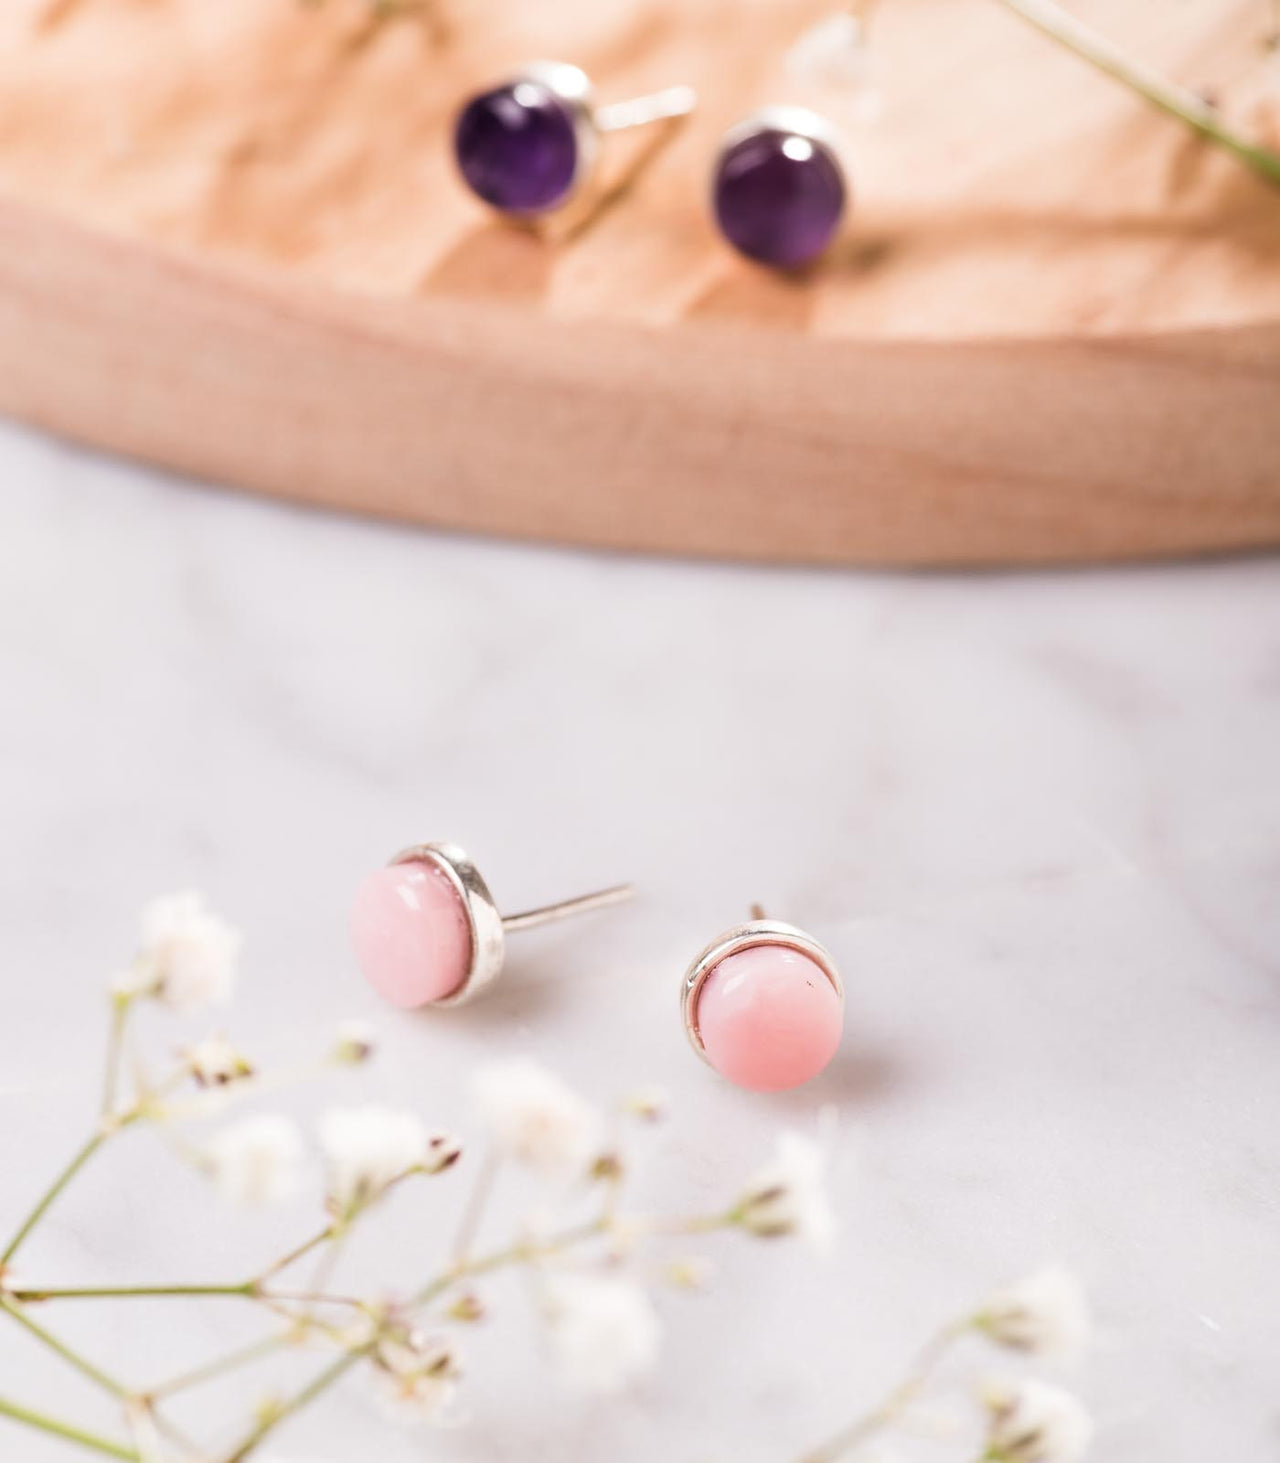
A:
(411, 934)
(769, 1018)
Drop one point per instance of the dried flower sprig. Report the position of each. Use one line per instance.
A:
(1044, 1315)
(836, 51)
(1193, 111)
(601, 1328)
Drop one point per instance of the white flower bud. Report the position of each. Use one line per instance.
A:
(468, 1308)
(369, 1147)
(649, 1104)
(1046, 1314)
(534, 1117)
(186, 956)
(256, 1161)
(1032, 1422)
(214, 1062)
(420, 1376)
(443, 1151)
(691, 1273)
(354, 1042)
(789, 1196)
(603, 1330)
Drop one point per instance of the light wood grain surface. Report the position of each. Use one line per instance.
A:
(231, 243)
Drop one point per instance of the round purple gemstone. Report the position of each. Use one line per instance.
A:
(517, 147)
(779, 197)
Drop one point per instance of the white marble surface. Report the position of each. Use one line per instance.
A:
(1036, 817)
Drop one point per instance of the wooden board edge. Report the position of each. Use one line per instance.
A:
(696, 440)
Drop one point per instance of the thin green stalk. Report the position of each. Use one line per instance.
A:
(231, 1361)
(1051, 20)
(84, 1367)
(473, 1213)
(120, 1006)
(322, 1275)
(524, 1250)
(296, 1403)
(840, 1444)
(69, 1433)
(51, 1193)
(309, 1298)
(298, 1253)
(509, 1255)
(115, 1292)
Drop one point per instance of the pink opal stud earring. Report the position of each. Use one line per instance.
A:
(427, 932)
(764, 1005)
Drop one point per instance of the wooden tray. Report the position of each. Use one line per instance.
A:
(231, 243)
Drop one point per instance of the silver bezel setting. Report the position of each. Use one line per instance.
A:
(483, 918)
(799, 121)
(745, 937)
(571, 86)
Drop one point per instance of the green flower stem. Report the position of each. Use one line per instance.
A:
(840, 1444)
(84, 1367)
(296, 1403)
(302, 1250)
(512, 1254)
(51, 1193)
(247, 1288)
(700, 1223)
(120, 1007)
(473, 1213)
(1051, 20)
(65, 1430)
(309, 1298)
(231, 1361)
(521, 1252)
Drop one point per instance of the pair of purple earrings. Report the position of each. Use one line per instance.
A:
(778, 189)
(762, 1003)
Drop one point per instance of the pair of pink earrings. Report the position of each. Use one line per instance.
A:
(763, 1003)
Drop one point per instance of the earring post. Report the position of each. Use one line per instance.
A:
(531, 918)
(659, 106)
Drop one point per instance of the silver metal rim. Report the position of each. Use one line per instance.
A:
(799, 121)
(744, 937)
(483, 918)
(572, 86)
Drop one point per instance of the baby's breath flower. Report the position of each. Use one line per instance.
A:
(369, 1147)
(420, 1376)
(603, 1330)
(186, 956)
(443, 1152)
(214, 1062)
(1029, 1421)
(607, 1168)
(833, 52)
(354, 1042)
(1045, 1314)
(625, 1234)
(691, 1273)
(789, 1196)
(468, 1308)
(534, 1117)
(256, 1161)
(649, 1104)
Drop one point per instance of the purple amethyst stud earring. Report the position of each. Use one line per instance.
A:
(526, 147)
(779, 190)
